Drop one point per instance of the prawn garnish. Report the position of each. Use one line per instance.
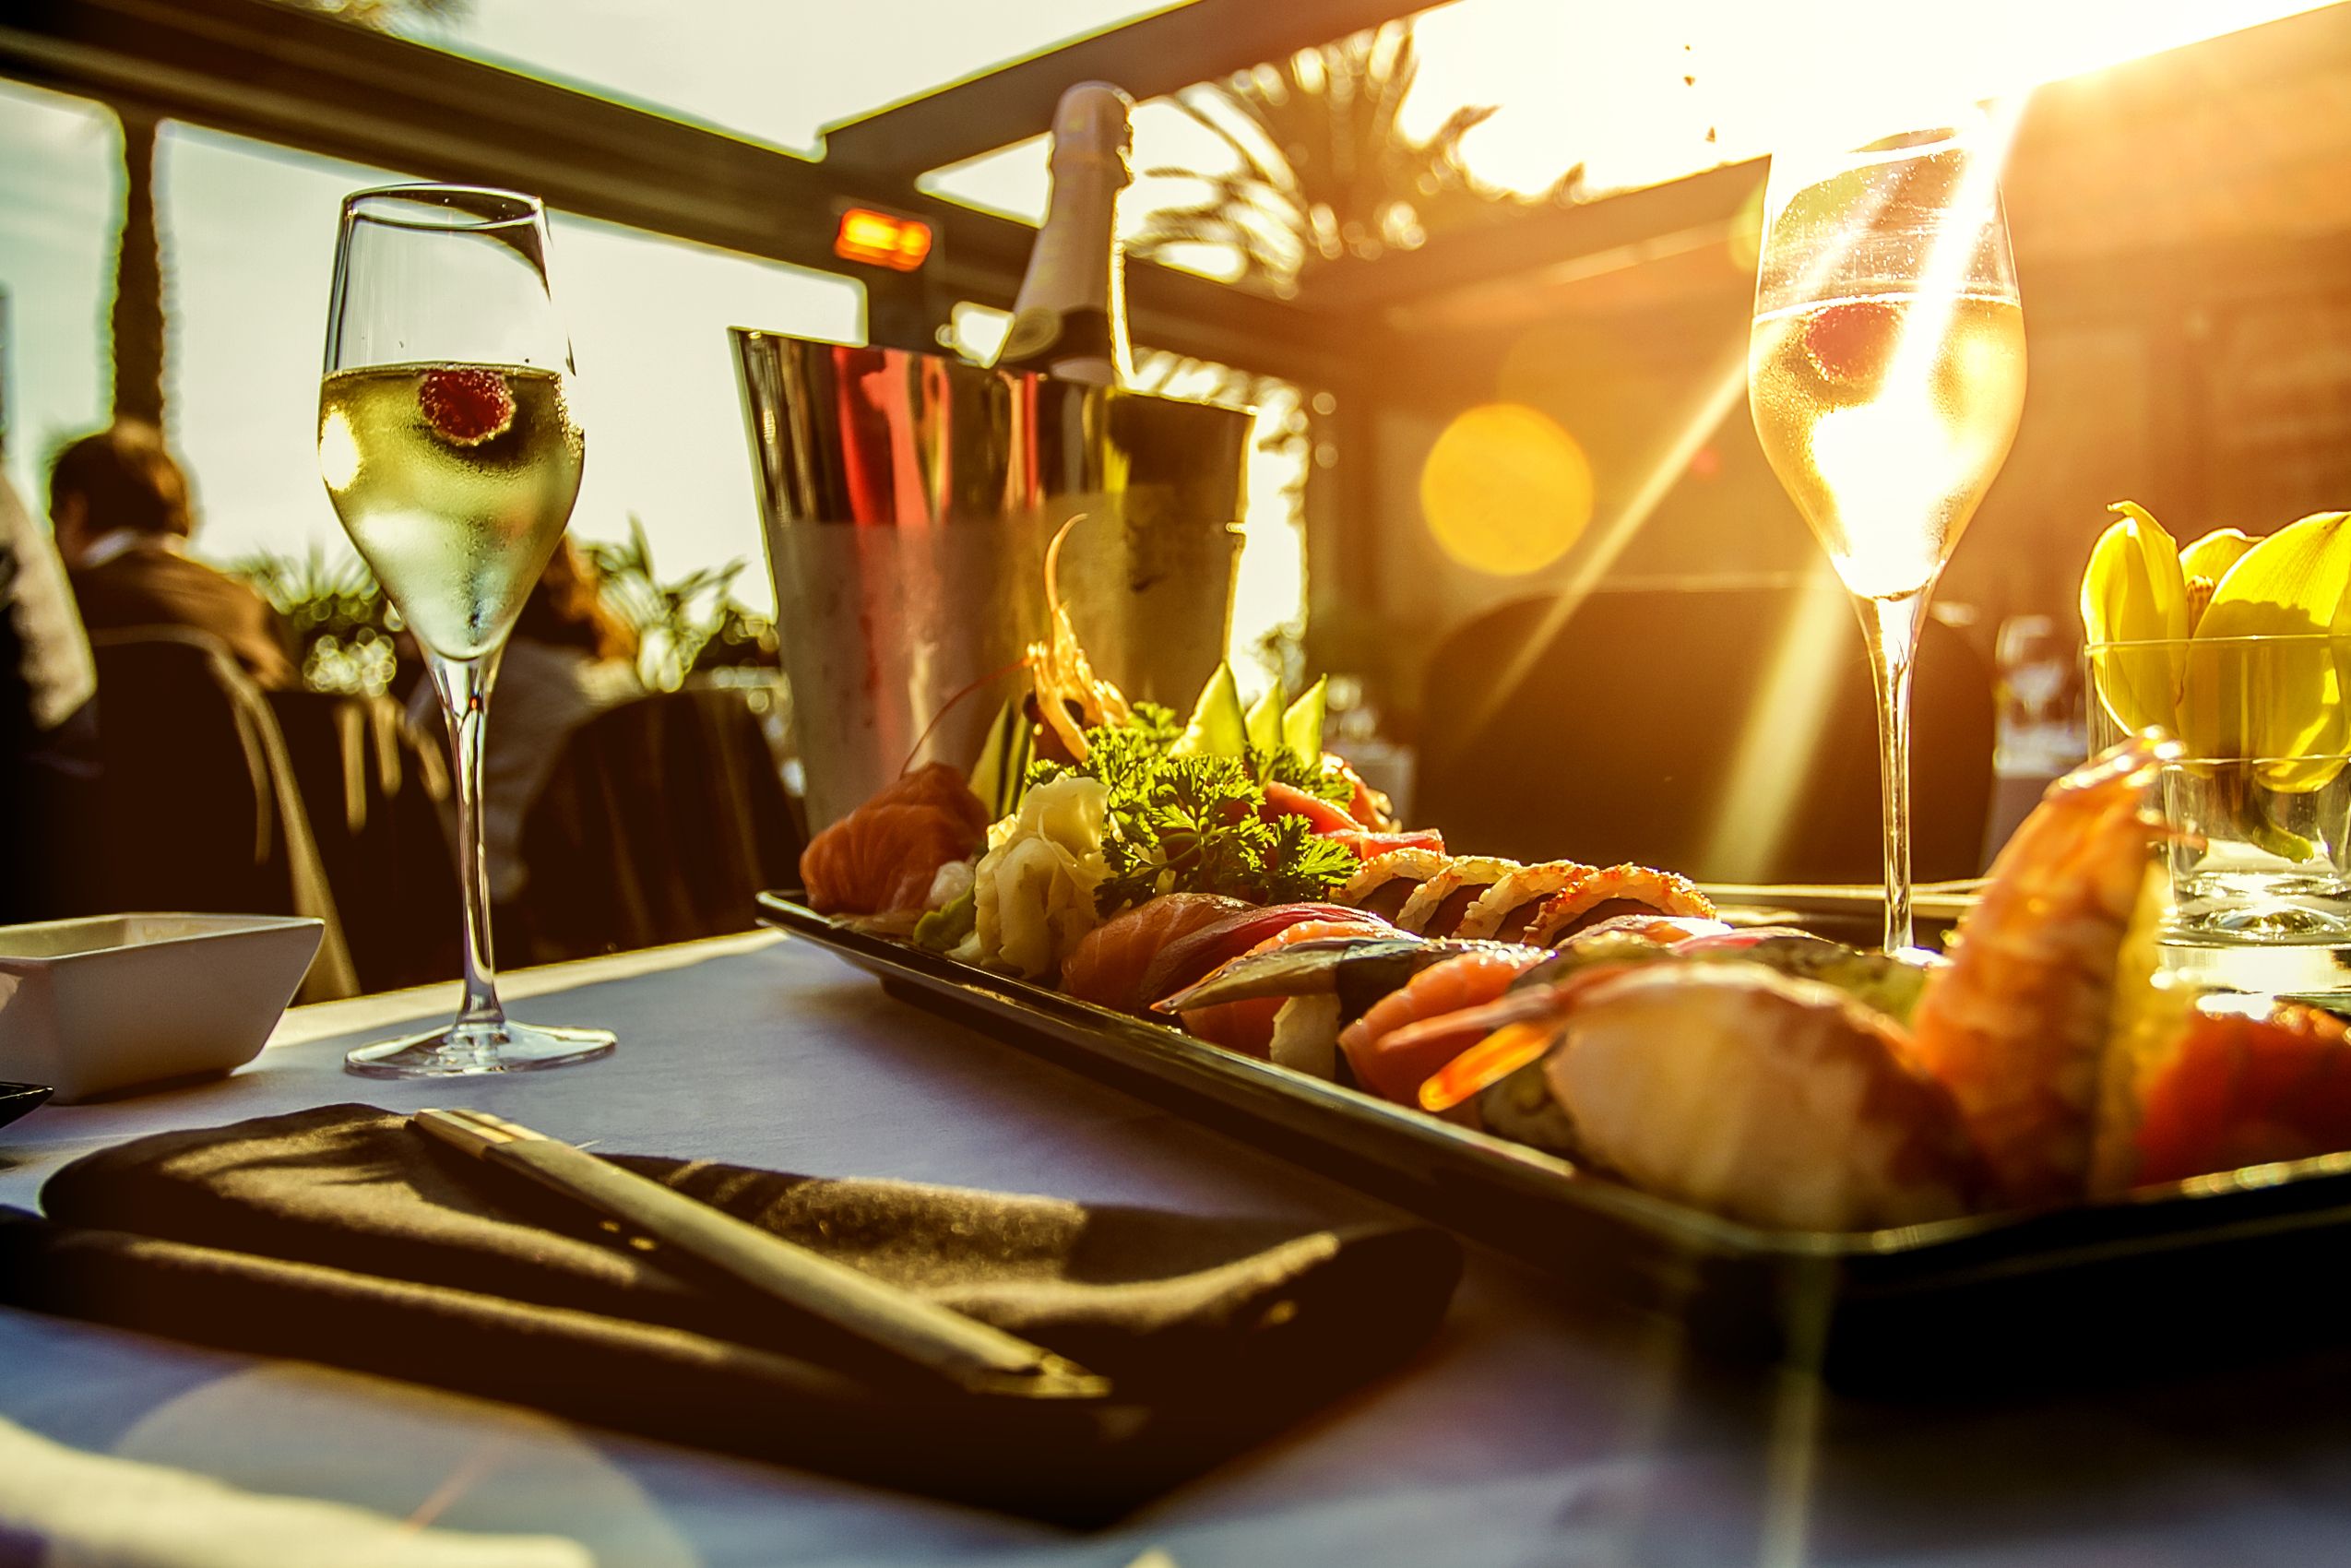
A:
(1060, 671)
(2016, 1026)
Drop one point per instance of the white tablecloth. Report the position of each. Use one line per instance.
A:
(1536, 1431)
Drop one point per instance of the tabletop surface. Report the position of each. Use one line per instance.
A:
(1537, 1429)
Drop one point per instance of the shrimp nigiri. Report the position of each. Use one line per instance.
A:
(1777, 1101)
(2016, 1026)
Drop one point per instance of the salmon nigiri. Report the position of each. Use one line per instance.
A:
(1247, 1027)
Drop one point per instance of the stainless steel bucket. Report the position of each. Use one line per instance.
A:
(908, 499)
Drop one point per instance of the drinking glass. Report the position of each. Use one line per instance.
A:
(449, 443)
(1885, 371)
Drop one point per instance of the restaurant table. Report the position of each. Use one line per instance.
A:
(1537, 1429)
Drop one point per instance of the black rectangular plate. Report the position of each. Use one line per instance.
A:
(2192, 1271)
(17, 1099)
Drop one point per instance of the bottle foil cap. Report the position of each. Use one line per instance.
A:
(1092, 121)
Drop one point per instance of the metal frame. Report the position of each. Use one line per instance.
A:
(261, 69)
(1150, 58)
(303, 80)
(266, 71)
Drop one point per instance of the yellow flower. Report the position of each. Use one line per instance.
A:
(2277, 704)
(2204, 563)
(2133, 591)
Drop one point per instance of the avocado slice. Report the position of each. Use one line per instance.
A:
(1003, 768)
(1217, 726)
(1266, 720)
(1303, 725)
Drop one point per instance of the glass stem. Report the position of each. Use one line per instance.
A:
(464, 685)
(1890, 626)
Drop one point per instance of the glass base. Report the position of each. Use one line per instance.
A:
(462, 1050)
(2303, 970)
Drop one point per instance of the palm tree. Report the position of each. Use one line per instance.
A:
(136, 317)
(1321, 172)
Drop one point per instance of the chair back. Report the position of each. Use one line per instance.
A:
(376, 789)
(1625, 739)
(663, 818)
(198, 806)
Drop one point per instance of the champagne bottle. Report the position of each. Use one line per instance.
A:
(1070, 317)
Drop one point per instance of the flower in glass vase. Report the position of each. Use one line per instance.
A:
(2243, 648)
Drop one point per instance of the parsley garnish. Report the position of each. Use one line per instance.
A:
(1192, 823)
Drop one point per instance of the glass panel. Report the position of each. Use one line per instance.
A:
(60, 199)
(250, 244)
(773, 73)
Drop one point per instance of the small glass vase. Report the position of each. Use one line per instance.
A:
(2257, 813)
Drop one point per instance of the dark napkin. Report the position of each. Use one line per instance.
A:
(338, 1235)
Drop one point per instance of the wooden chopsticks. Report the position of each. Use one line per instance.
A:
(919, 1332)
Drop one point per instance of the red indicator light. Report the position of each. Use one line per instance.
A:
(878, 239)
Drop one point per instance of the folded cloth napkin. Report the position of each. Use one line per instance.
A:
(340, 1235)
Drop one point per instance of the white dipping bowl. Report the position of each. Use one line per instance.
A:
(112, 1001)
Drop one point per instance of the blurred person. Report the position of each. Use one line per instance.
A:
(120, 504)
(48, 724)
(568, 658)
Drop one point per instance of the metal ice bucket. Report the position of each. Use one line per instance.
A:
(908, 499)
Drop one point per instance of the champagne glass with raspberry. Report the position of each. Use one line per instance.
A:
(1885, 371)
(451, 446)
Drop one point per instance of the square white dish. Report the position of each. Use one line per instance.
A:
(110, 1002)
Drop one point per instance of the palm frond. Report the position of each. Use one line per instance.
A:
(1320, 171)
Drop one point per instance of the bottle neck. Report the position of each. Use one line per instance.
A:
(1070, 317)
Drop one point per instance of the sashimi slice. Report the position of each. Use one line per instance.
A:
(2247, 1091)
(1106, 967)
(1370, 847)
(937, 785)
(1284, 800)
(881, 858)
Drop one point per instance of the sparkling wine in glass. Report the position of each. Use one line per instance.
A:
(451, 446)
(1886, 371)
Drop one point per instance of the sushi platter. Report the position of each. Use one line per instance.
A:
(2030, 1156)
(2087, 1290)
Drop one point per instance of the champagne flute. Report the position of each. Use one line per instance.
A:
(449, 444)
(1885, 371)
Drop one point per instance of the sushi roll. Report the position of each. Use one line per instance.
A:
(1617, 890)
(1387, 881)
(1523, 1108)
(1437, 904)
(1503, 910)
